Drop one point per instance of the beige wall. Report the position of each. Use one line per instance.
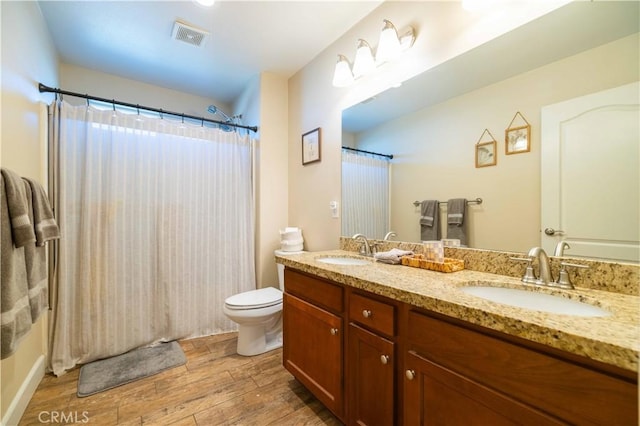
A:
(109, 86)
(434, 148)
(272, 177)
(28, 57)
(314, 102)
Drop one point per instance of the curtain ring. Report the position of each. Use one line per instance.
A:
(113, 103)
(202, 121)
(138, 108)
(86, 96)
(183, 118)
(161, 115)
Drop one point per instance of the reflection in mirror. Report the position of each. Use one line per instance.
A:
(432, 122)
(365, 193)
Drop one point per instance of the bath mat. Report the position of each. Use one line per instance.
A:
(109, 373)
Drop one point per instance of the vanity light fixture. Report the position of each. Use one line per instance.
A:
(389, 44)
(390, 47)
(343, 76)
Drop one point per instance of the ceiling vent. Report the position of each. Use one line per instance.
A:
(189, 34)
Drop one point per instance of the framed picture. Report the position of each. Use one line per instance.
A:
(311, 146)
(486, 154)
(517, 140)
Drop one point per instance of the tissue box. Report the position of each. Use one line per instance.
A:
(433, 251)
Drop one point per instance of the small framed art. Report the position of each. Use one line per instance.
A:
(517, 139)
(486, 154)
(311, 146)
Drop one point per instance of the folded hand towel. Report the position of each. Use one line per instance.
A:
(21, 227)
(45, 225)
(392, 256)
(456, 223)
(429, 220)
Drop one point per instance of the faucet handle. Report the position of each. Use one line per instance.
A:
(529, 276)
(564, 281)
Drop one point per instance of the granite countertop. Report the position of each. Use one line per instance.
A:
(613, 339)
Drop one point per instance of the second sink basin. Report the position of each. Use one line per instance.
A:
(536, 301)
(340, 260)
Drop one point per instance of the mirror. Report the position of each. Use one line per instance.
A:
(432, 123)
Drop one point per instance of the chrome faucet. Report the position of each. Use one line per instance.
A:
(365, 248)
(389, 234)
(544, 270)
(560, 248)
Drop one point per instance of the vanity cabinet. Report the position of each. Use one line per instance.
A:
(371, 361)
(460, 374)
(313, 337)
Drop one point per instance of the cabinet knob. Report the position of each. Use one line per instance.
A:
(367, 313)
(384, 359)
(411, 374)
(334, 331)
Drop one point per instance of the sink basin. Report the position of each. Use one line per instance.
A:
(536, 301)
(343, 261)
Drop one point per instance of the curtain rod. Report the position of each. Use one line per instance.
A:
(389, 156)
(47, 89)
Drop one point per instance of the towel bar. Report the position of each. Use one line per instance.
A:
(476, 201)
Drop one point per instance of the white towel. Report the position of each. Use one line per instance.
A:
(392, 257)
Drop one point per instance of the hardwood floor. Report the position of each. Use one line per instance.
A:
(215, 387)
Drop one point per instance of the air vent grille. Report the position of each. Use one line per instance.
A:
(189, 34)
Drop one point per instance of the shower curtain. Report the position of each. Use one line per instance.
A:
(157, 230)
(365, 194)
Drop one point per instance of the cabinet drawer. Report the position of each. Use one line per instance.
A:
(373, 314)
(572, 392)
(314, 290)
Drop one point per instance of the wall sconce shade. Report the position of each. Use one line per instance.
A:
(390, 47)
(342, 76)
(364, 61)
(389, 44)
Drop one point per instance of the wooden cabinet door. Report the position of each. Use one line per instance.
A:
(434, 395)
(312, 350)
(371, 378)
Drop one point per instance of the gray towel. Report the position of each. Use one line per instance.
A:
(429, 220)
(21, 227)
(456, 223)
(15, 318)
(392, 257)
(45, 226)
(35, 257)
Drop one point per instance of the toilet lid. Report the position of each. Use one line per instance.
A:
(255, 299)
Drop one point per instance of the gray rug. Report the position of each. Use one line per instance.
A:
(109, 373)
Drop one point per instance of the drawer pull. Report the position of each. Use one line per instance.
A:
(411, 374)
(367, 313)
(334, 331)
(384, 359)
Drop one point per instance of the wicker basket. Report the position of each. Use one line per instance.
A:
(449, 265)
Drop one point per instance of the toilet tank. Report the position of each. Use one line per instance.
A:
(281, 266)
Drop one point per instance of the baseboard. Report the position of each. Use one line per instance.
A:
(27, 389)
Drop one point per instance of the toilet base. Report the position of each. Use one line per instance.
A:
(255, 340)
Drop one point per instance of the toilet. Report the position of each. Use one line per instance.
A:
(258, 314)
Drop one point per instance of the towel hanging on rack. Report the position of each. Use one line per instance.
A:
(456, 221)
(429, 220)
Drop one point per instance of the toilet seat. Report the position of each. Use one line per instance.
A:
(254, 299)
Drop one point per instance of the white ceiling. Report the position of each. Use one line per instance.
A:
(132, 39)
